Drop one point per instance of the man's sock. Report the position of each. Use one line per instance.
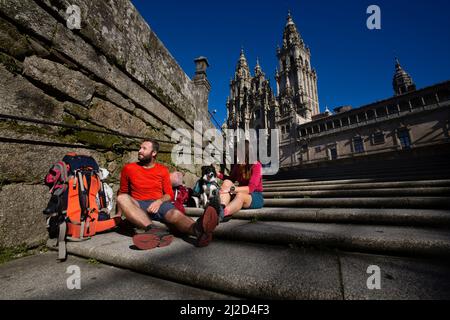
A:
(195, 230)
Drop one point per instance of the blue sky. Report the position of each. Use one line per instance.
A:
(355, 65)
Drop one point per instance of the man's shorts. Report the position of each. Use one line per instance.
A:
(161, 214)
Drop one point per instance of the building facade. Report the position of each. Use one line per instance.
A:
(410, 119)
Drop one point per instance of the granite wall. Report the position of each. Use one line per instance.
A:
(106, 84)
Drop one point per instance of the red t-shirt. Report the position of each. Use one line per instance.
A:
(145, 184)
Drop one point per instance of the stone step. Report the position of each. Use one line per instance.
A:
(262, 271)
(380, 172)
(388, 202)
(39, 277)
(380, 167)
(359, 186)
(405, 166)
(319, 182)
(408, 241)
(405, 217)
(396, 192)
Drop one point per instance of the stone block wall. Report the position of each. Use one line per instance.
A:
(113, 75)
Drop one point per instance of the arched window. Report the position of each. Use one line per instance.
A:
(358, 144)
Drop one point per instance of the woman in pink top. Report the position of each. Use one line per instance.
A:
(249, 193)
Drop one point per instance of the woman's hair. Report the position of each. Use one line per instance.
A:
(244, 169)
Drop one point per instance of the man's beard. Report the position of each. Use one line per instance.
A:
(145, 160)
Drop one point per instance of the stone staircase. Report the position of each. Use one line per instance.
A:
(315, 239)
(408, 218)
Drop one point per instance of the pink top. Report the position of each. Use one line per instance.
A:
(255, 182)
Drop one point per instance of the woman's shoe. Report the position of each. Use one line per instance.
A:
(227, 218)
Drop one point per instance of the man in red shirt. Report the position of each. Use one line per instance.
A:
(145, 195)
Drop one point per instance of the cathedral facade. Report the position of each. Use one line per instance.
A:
(411, 119)
(252, 104)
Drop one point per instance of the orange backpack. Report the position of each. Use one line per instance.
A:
(73, 211)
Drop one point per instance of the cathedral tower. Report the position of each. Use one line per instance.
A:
(402, 82)
(238, 102)
(296, 80)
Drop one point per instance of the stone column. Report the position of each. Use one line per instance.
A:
(288, 82)
(277, 80)
(299, 77)
(202, 87)
(308, 81)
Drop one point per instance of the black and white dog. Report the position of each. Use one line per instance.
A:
(206, 187)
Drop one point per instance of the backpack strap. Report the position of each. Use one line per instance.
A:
(62, 251)
(102, 197)
(82, 230)
(82, 195)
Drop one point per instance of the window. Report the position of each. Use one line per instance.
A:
(332, 153)
(358, 145)
(392, 109)
(370, 114)
(430, 99)
(405, 140)
(378, 138)
(283, 131)
(404, 106)
(329, 125)
(417, 103)
(443, 95)
(381, 112)
(318, 149)
(257, 114)
(362, 117)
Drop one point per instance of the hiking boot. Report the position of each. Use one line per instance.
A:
(215, 203)
(205, 225)
(204, 240)
(152, 238)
